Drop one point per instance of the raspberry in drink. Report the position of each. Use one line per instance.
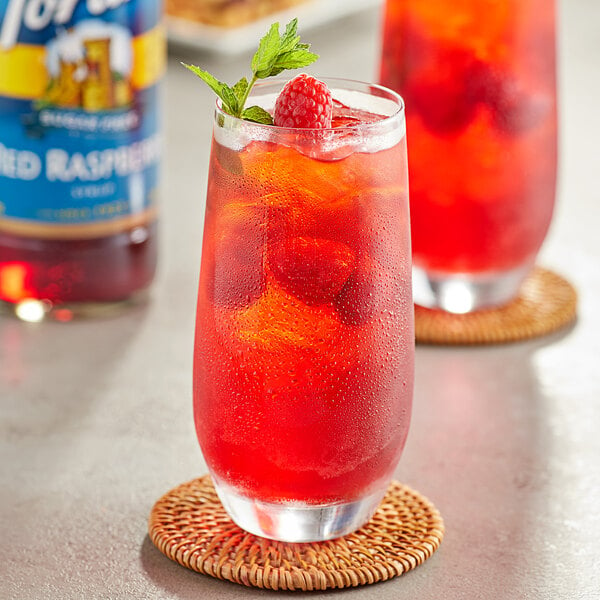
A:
(303, 366)
(478, 78)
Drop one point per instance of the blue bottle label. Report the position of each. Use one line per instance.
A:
(79, 116)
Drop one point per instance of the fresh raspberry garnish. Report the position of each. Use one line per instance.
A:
(304, 102)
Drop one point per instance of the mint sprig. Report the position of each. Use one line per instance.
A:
(276, 53)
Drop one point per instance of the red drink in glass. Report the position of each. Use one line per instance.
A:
(304, 343)
(478, 77)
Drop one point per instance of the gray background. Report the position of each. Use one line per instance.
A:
(96, 416)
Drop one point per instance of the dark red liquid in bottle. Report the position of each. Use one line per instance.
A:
(106, 269)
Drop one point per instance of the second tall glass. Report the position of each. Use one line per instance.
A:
(478, 77)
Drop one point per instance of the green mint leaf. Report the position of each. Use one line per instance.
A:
(280, 53)
(295, 59)
(241, 88)
(268, 48)
(275, 71)
(257, 115)
(275, 54)
(289, 40)
(231, 104)
(212, 82)
(223, 91)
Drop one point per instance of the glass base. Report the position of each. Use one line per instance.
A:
(297, 522)
(466, 292)
(33, 310)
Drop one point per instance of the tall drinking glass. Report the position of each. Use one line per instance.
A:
(303, 367)
(478, 77)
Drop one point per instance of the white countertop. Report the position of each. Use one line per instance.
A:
(96, 416)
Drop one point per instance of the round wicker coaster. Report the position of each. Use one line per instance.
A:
(190, 526)
(546, 302)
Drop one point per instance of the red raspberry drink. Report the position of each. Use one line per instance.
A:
(478, 78)
(303, 366)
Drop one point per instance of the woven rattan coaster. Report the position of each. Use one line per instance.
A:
(546, 303)
(190, 526)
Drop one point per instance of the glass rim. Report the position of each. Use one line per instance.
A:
(281, 81)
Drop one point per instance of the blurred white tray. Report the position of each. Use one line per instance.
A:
(235, 40)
